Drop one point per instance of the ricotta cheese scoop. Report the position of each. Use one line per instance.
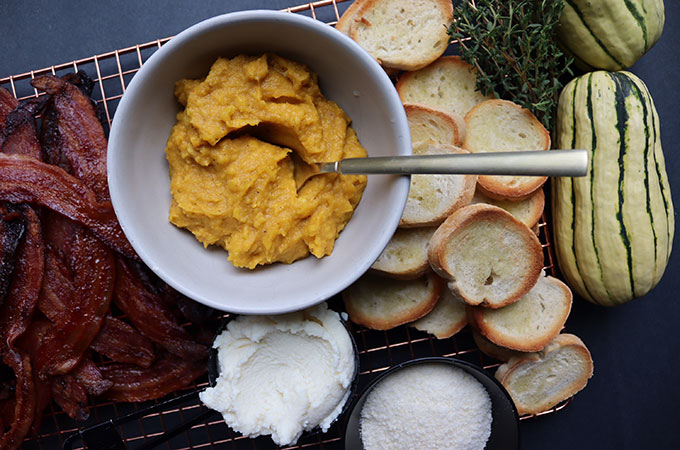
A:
(283, 375)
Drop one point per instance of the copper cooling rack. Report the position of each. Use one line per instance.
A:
(379, 350)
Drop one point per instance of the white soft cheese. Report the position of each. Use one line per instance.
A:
(282, 375)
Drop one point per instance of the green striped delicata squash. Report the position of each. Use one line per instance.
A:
(610, 34)
(613, 228)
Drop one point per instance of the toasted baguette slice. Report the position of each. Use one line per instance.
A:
(432, 198)
(433, 124)
(530, 323)
(383, 303)
(503, 126)
(345, 22)
(447, 84)
(346, 19)
(489, 257)
(538, 381)
(402, 34)
(492, 350)
(405, 256)
(446, 319)
(527, 210)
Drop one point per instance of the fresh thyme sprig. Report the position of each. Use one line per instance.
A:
(512, 45)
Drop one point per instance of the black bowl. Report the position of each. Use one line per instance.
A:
(505, 420)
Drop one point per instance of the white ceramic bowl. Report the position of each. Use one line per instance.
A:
(138, 170)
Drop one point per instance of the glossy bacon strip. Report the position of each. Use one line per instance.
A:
(57, 292)
(122, 343)
(65, 343)
(75, 125)
(21, 134)
(135, 384)
(11, 230)
(17, 310)
(7, 105)
(71, 397)
(29, 342)
(24, 179)
(25, 399)
(148, 314)
(88, 375)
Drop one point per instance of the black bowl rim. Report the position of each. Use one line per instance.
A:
(430, 359)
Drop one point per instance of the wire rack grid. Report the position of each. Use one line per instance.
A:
(378, 350)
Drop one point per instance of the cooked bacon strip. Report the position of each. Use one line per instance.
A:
(50, 139)
(30, 343)
(148, 314)
(57, 292)
(82, 139)
(7, 411)
(88, 375)
(21, 135)
(182, 307)
(25, 399)
(22, 297)
(136, 384)
(122, 343)
(24, 179)
(92, 264)
(71, 397)
(11, 230)
(7, 105)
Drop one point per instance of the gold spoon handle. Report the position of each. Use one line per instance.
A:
(554, 163)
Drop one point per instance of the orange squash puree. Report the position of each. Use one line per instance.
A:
(231, 172)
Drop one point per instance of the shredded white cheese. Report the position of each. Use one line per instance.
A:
(427, 406)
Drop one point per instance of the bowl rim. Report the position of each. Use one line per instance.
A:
(118, 199)
(358, 402)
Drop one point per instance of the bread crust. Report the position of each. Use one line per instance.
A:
(410, 274)
(506, 371)
(524, 342)
(471, 215)
(490, 349)
(346, 19)
(451, 120)
(447, 309)
(505, 187)
(399, 60)
(359, 314)
(402, 239)
(535, 203)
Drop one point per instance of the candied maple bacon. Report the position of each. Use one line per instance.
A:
(74, 300)
(231, 171)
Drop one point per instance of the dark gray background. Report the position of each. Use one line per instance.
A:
(634, 398)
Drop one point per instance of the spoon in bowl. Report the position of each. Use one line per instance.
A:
(554, 163)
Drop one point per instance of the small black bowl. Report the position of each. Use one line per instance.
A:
(505, 420)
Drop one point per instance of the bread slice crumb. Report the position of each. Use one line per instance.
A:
(488, 257)
(446, 319)
(529, 324)
(432, 198)
(503, 126)
(539, 381)
(402, 34)
(449, 83)
(382, 303)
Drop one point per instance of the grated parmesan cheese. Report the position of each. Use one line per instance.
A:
(427, 406)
